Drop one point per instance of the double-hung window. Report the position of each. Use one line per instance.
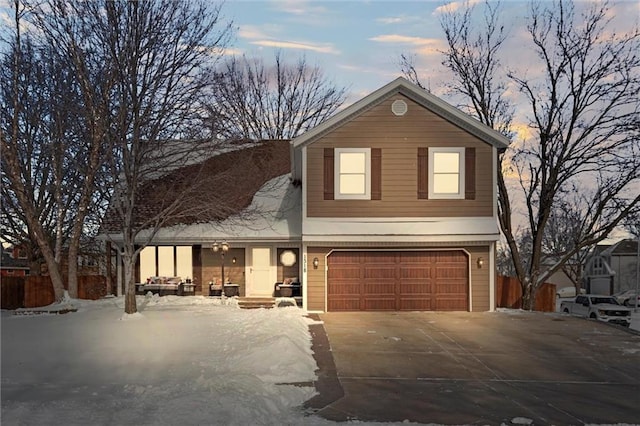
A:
(352, 173)
(446, 173)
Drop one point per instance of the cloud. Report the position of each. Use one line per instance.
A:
(453, 6)
(422, 46)
(390, 20)
(262, 36)
(252, 32)
(401, 39)
(400, 19)
(281, 44)
(298, 7)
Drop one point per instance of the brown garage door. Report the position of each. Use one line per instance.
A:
(397, 281)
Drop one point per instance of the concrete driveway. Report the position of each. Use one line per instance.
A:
(475, 368)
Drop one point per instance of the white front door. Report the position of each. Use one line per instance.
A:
(260, 272)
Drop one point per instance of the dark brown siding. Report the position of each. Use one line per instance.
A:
(398, 138)
(470, 174)
(328, 173)
(423, 173)
(376, 174)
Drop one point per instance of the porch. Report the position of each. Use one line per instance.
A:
(249, 270)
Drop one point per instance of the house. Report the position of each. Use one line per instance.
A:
(391, 204)
(14, 262)
(612, 268)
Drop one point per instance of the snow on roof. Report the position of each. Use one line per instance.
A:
(275, 213)
(219, 187)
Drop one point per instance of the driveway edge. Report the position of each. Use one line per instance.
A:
(327, 385)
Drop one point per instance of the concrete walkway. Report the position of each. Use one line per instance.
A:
(475, 368)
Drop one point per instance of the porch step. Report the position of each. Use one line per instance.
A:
(256, 302)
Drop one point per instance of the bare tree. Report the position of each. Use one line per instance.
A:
(153, 54)
(251, 100)
(583, 114)
(49, 162)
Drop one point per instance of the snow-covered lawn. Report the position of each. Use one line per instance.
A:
(182, 361)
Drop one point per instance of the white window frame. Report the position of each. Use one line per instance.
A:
(367, 174)
(461, 166)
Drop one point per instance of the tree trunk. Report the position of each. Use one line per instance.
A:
(72, 271)
(130, 306)
(528, 295)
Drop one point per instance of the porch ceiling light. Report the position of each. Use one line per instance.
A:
(223, 246)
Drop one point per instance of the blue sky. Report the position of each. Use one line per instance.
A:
(358, 43)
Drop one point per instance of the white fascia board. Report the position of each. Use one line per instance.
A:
(400, 239)
(401, 229)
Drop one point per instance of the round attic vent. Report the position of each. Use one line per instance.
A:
(399, 107)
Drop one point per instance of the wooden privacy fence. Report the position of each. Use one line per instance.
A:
(12, 292)
(509, 295)
(34, 291)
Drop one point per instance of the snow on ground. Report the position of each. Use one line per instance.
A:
(180, 361)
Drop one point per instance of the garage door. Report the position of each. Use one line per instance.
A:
(397, 281)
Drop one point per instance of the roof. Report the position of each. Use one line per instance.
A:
(275, 214)
(418, 95)
(622, 247)
(212, 190)
(8, 262)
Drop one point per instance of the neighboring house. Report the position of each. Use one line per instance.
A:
(14, 262)
(612, 268)
(568, 275)
(388, 205)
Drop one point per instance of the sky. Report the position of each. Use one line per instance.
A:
(358, 43)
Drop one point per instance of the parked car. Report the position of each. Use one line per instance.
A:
(628, 298)
(601, 308)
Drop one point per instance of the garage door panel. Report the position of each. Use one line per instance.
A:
(387, 272)
(451, 272)
(379, 288)
(451, 303)
(415, 287)
(380, 304)
(345, 273)
(401, 280)
(411, 272)
(346, 304)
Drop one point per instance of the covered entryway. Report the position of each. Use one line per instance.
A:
(397, 281)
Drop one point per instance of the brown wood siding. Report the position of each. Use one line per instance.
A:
(479, 279)
(233, 272)
(316, 279)
(399, 138)
(397, 281)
